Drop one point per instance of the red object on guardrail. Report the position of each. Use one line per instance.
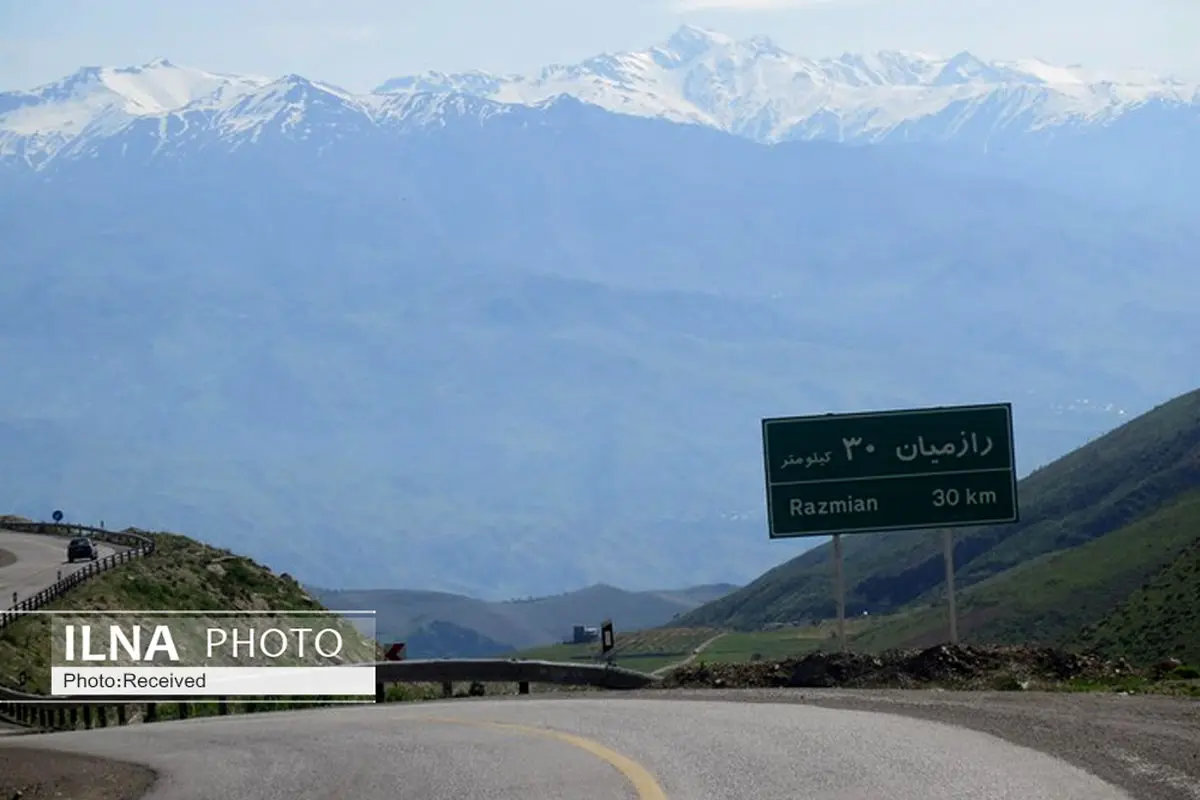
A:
(395, 652)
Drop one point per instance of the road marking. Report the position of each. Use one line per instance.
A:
(643, 782)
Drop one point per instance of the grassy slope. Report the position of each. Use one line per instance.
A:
(521, 623)
(181, 575)
(1051, 598)
(1113, 481)
(651, 649)
(1162, 617)
(640, 650)
(740, 647)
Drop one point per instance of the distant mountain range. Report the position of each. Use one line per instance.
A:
(751, 88)
(436, 340)
(437, 625)
(754, 88)
(1133, 135)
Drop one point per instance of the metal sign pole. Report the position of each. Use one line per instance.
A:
(948, 543)
(840, 590)
(825, 473)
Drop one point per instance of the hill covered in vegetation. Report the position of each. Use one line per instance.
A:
(181, 575)
(1104, 554)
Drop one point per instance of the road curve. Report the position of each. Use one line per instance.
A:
(535, 749)
(39, 558)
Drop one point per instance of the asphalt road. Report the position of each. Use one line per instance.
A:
(601, 749)
(39, 558)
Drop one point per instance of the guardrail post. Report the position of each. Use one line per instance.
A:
(60, 717)
(102, 716)
(447, 689)
(151, 712)
(523, 687)
(184, 710)
(380, 693)
(121, 714)
(222, 706)
(74, 717)
(87, 716)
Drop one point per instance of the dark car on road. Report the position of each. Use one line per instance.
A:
(81, 548)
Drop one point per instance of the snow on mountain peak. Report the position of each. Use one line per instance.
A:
(754, 88)
(749, 87)
(689, 42)
(102, 100)
(966, 68)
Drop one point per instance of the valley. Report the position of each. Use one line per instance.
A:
(438, 357)
(332, 330)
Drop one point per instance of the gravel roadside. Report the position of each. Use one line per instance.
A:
(1148, 745)
(33, 774)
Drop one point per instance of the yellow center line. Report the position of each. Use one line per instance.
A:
(639, 777)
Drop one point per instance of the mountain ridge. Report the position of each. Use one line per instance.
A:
(438, 624)
(750, 88)
(474, 335)
(376, 292)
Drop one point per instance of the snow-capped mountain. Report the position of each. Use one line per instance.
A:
(750, 88)
(165, 106)
(98, 101)
(754, 88)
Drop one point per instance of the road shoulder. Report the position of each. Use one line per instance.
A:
(1146, 744)
(30, 773)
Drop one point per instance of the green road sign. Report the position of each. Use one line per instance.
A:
(890, 470)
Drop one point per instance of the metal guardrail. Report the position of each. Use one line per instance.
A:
(498, 670)
(68, 712)
(138, 546)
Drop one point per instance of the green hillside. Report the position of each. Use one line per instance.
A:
(183, 575)
(645, 651)
(1050, 599)
(1161, 618)
(1127, 475)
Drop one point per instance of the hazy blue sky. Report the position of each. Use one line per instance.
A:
(358, 43)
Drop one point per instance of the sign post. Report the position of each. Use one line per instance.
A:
(840, 590)
(607, 641)
(948, 545)
(927, 468)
